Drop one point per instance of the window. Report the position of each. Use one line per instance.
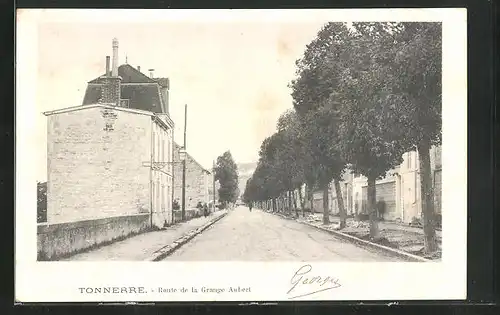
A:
(169, 203)
(169, 152)
(169, 147)
(409, 160)
(163, 150)
(163, 197)
(154, 142)
(153, 189)
(159, 148)
(158, 196)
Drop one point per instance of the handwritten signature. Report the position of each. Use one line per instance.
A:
(306, 283)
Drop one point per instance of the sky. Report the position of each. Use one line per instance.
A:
(232, 73)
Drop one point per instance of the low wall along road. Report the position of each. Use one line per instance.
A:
(55, 241)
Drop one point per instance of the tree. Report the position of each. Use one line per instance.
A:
(278, 171)
(368, 132)
(311, 92)
(390, 91)
(417, 82)
(321, 130)
(292, 155)
(41, 201)
(402, 61)
(226, 172)
(304, 172)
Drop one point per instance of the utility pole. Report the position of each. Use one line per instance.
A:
(183, 211)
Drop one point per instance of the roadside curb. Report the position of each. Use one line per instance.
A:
(366, 244)
(169, 249)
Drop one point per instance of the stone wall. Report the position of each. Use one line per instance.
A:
(95, 164)
(55, 241)
(190, 214)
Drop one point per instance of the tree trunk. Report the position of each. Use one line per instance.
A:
(294, 195)
(372, 208)
(287, 202)
(301, 198)
(311, 198)
(282, 200)
(326, 210)
(302, 202)
(273, 204)
(427, 197)
(340, 202)
(283, 203)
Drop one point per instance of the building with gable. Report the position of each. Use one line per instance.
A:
(199, 181)
(111, 156)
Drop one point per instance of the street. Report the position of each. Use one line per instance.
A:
(259, 236)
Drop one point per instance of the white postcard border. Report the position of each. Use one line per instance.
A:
(60, 281)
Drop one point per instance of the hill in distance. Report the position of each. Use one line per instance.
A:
(245, 171)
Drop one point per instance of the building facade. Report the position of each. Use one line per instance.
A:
(199, 181)
(112, 156)
(101, 163)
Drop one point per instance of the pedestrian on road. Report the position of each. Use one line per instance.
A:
(250, 205)
(205, 210)
(381, 208)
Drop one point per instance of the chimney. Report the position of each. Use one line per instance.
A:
(167, 95)
(151, 73)
(165, 90)
(139, 68)
(108, 73)
(115, 57)
(111, 90)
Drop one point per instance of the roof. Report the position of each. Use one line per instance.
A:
(128, 74)
(177, 146)
(143, 92)
(165, 82)
(110, 106)
(88, 106)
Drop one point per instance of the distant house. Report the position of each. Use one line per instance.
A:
(199, 181)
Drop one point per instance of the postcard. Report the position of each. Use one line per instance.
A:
(240, 155)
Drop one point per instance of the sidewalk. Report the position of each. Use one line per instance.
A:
(405, 238)
(383, 225)
(141, 247)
